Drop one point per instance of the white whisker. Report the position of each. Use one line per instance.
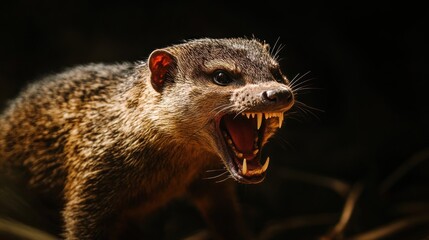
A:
(225, 109)
(274, 46)
(239, 112)
(296, 79)
(223, 180)
(307, 110)
(276, 49)
(216, 170)
(293, 79)
(220, 107)
(217, 176)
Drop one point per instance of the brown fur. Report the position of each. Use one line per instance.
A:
(106, 146)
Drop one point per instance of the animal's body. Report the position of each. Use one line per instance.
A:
(109, 143)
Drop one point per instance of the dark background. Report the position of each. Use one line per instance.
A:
(367, 65)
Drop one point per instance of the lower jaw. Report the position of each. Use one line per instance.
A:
(255, 179)
(251, 176)
(234, 158)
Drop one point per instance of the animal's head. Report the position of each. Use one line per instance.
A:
(226, 95)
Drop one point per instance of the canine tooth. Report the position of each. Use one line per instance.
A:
(280, 119)
(259, 119)
(239, 154)
(265, 167)
(244, 169)
(255, 151)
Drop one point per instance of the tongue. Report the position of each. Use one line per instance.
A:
(242, 132)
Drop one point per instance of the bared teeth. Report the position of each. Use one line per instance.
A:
(244, 169)
(253, 172)
(259, 120)
(280, 119)
(266, 115)
(265, 167)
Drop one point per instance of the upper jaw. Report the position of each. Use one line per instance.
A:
(265, 115)
(240, 140)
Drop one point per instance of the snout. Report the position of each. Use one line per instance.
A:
(271, 97)
(277, 99)
(281, 97)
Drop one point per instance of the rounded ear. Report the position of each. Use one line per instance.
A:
(161, 65)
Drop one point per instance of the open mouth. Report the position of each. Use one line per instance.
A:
(243, 136)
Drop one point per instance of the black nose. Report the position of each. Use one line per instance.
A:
(278, 96)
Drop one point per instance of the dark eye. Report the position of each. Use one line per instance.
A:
(222, 78)
(278, 75)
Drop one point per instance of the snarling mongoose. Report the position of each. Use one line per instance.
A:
(114, 142)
